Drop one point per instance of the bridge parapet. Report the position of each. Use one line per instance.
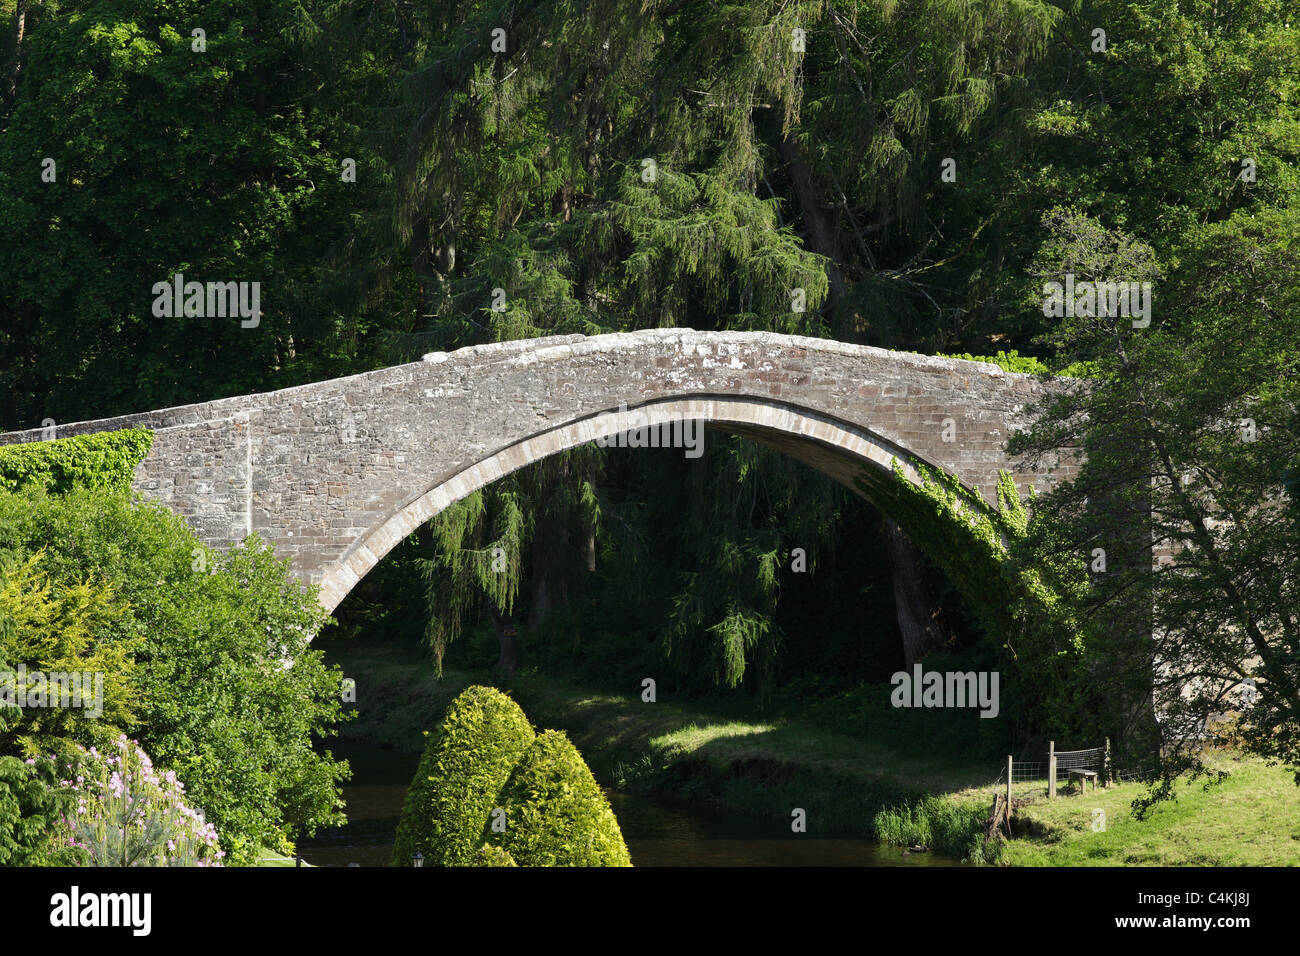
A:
(334, 473)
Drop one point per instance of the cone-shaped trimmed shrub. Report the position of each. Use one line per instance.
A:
(466, 763)
(556, 814)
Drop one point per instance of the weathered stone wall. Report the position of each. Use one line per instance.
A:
(335, 473)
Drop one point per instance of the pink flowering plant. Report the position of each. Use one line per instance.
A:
(128, 814)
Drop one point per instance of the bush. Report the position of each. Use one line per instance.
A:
(489, 855)
(1011, 361)
(230, 692)
(465, 765)
(129, 815)
(63, 632)
(32, 808)
(101, 460)
(556, 813)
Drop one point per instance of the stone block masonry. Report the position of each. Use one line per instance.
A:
(335, 473)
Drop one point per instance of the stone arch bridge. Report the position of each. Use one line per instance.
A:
(335, 473)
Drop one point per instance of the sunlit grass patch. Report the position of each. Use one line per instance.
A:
(1251, 819)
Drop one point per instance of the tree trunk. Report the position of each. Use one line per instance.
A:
(547, 548)
(16, 65)
(507, 638)
(541, 596)
(819, 224)
(425, 276)
(920, 618)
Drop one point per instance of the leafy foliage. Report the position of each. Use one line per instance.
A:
(556, 813)
(102, 460)
(230, 693)
(483, 758)
(1011, 361)
(489, 855)
(139, 124)
(1021, 605)
(53, 631)
(32, 808)
(465, 764)
(1189, 436)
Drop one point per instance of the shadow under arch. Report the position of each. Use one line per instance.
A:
(836, 448)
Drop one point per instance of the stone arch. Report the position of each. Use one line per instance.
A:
(323, 472)
(837, 448)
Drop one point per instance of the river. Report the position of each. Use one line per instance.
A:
(657, 834)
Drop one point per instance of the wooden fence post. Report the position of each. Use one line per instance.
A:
(1106, 767)
(1009, 770)
(1051, 769)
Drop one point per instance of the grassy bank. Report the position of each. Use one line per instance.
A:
(717, 756)
(1251, 819)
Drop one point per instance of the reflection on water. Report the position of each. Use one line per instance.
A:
(373, 798)
(657, 834)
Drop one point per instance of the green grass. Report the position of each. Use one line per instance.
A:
(398, 696)
(274, 858)
(1251, 819)
(952, 827)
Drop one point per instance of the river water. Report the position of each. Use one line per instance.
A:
(657, 834)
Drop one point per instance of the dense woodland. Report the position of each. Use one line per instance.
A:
(918, 168)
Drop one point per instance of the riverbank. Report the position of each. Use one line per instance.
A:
(657, 833)
(716, 757)
(1250, 819)
(705, 756)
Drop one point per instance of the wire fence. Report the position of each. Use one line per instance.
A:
(1027, 777)
(1093, 759)
(1025, 771)
(1032, 777)
(1138, 775)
